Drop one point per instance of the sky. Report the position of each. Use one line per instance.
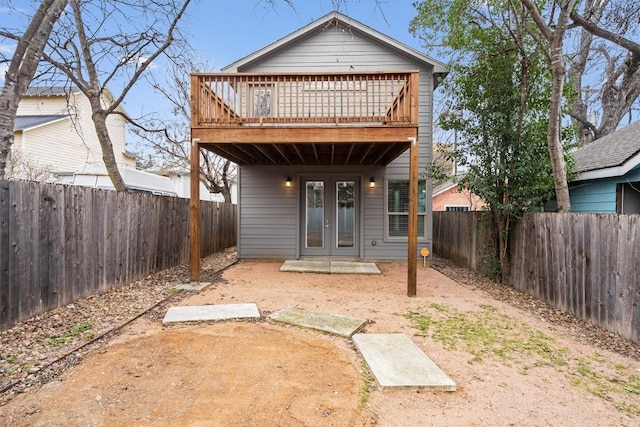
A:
(228, 30)
(222, 31)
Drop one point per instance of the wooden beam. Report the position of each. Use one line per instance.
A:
(369, 148)
(295, 147)
(346, 160)
(384, 153)
(412, 237)
(224, 151)
(284, 156)
(303, 134)
(194, 207)
(263, 150)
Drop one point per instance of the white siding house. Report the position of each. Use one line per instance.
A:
(54, 132)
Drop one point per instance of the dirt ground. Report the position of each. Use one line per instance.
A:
(257, 373)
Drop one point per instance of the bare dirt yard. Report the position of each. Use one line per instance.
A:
(516, 361)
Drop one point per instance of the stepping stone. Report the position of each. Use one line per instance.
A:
(193, 286)
(396, 361)
(325, 322)
(201, 313)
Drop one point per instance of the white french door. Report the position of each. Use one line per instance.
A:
(329, 213)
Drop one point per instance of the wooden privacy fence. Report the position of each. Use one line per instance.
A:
(585, 264)
(59, 243)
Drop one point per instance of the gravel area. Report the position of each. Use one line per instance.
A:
(37, 350)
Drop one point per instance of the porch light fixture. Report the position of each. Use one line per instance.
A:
(372, 182)
(288, 181)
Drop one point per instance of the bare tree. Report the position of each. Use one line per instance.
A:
(170, 140)
(553, 30)
(607, 50)
(21, 165)
(104, 43)
(22, 67)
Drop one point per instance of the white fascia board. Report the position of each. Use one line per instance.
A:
(612, 171)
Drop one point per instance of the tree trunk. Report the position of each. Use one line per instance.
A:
(22, 68)
(554, 141)
(108, 157)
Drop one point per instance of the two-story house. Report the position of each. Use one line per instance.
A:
(54, 135)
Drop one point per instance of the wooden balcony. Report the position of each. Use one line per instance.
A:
(349, 118)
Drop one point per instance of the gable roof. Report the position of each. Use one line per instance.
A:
(28, 122)
(50, 90)
(612, 155)
(439, 69)
(441, 188)
(46, 91)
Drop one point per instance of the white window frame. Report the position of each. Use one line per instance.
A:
(257, 93)
(422, 216)
(446, 208)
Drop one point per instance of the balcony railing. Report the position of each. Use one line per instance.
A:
(249, 99)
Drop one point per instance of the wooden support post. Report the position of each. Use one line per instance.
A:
(194, 206)
(412, 237)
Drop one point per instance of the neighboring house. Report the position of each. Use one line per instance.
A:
(448, 197)
(608, 174)
(137, 180)
(321, 124)
(182, 186)
(55, 134)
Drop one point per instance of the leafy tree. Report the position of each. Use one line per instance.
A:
(609, 50)
(21, 68)
(498, 98)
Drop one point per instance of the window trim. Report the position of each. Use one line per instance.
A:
(421, 215)
(446, 208)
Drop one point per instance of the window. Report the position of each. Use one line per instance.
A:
(628, 198)
(398, 208)
(456, 208)
(262, 101)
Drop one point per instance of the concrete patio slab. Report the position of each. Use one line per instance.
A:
(332, 323)
(396, 361)
(334, 267)
(343, 267)
(202, 313)
(304, 266)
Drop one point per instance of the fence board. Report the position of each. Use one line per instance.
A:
(59, 242)
(5, 297)
(585, 264)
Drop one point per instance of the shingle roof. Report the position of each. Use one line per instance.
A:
(609, 151)
(50, 90)
(27, 122)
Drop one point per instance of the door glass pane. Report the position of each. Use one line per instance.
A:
(315, 214)
(346, 213)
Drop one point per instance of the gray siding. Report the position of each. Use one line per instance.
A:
(268, 210)
(268, 224)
